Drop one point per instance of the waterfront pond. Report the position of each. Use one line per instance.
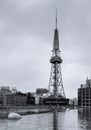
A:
(67, 120)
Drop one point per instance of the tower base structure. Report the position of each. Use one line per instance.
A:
(55, 101)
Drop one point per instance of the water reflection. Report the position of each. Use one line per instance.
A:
(55, 119)
(84, 118)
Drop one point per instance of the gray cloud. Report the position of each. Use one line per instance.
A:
(26, 38)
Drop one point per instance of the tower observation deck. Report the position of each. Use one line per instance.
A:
(56, 94)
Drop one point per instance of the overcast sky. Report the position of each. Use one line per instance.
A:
(26, 40)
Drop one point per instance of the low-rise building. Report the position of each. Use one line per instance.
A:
(9, 98)
(21, 99)
(73, 102)
(41, 91)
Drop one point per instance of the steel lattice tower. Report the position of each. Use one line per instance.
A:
(55, 83)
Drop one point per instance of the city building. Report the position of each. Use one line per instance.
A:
(73, 102)
(21, 99)
(5, 90)
(30, 99)
(12, 98)
(84, 94)
(9, 100)
(5, 96)
(37, 99)
(41, 91)
(14, 90)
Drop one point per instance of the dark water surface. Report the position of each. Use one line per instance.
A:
(68, 120)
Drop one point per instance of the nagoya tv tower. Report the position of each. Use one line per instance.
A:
(56, 94)
(55, 83)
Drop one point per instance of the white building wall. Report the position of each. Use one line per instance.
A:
(37, 97)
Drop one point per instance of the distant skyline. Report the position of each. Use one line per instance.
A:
(26, 40)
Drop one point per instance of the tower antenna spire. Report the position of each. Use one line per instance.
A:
(56, 18)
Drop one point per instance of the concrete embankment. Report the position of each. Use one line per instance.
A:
(23, 110)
